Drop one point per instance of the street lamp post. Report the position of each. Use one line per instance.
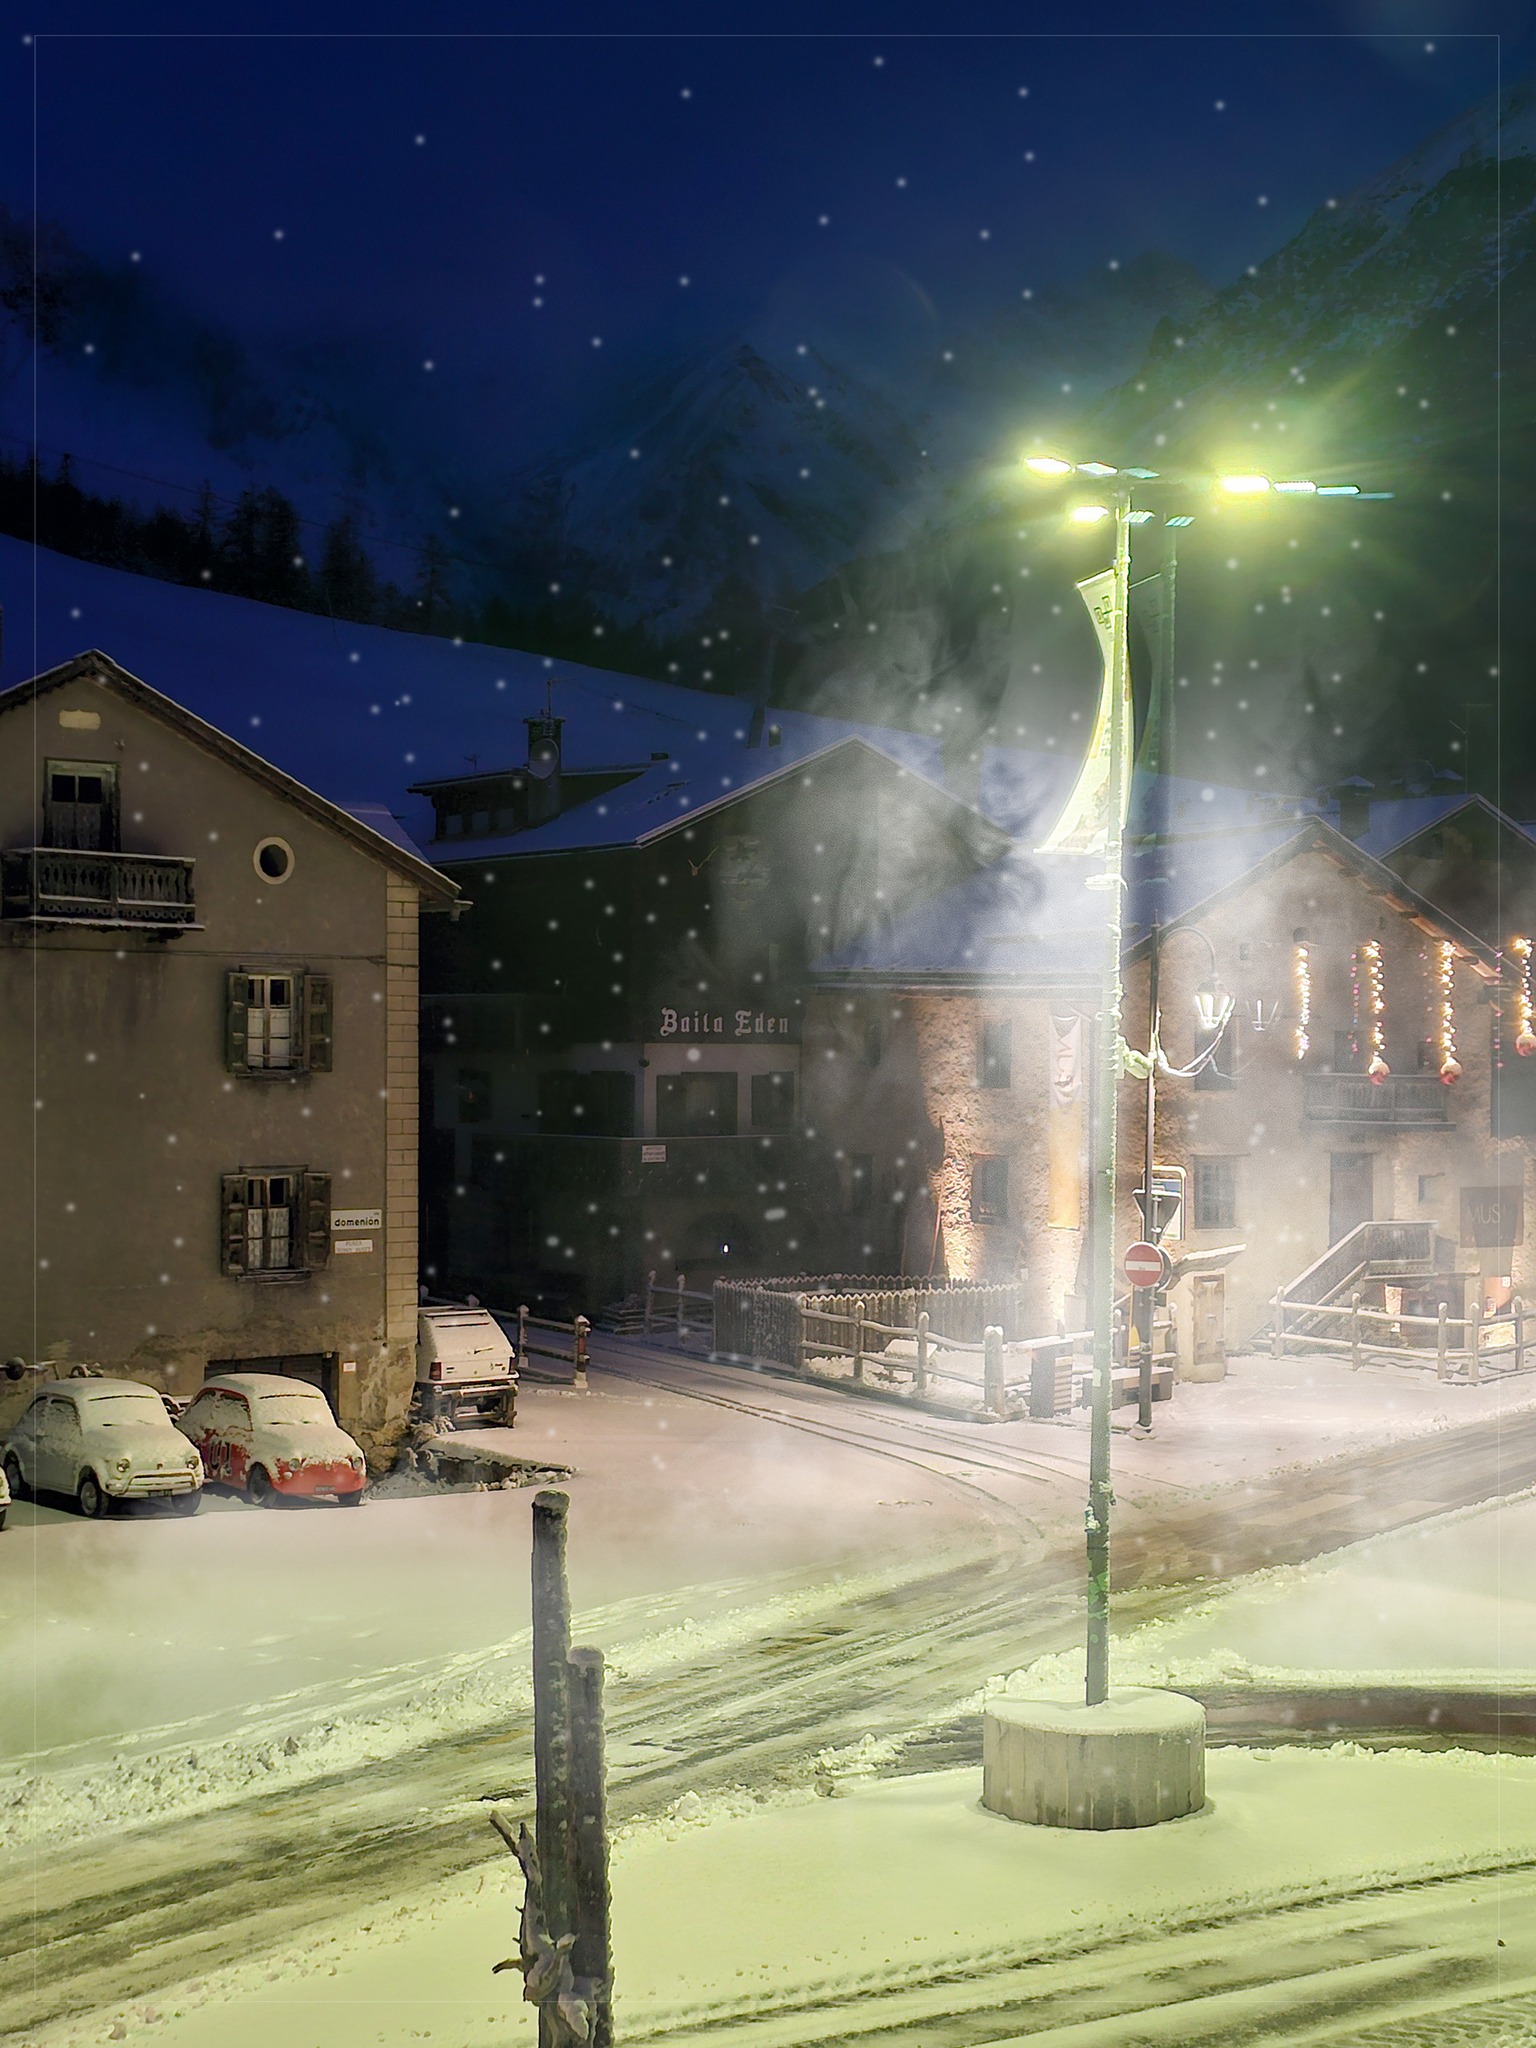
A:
(1102, 1199)
(1118, 487)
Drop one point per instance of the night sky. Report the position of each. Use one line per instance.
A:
(530, 205)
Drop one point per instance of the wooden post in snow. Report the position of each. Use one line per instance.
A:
(994, 1391)
(590, 1957)
(552, 1726)
(1440, 1343)
(920, 1377)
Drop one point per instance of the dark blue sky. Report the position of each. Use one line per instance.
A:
(276, 181)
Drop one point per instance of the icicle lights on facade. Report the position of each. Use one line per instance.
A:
(1372, 1005)
(1525, 1037)
(1303, 977)
(1445, 1010)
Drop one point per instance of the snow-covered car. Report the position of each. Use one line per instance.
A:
(270, 1436)
(101, 1440)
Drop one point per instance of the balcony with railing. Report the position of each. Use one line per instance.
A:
(1400, 1102)
(52, 885)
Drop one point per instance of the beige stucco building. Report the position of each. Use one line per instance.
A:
(208, 1057)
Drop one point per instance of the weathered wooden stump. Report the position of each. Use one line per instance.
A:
(1135, 1760)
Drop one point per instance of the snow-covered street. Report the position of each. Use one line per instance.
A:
(774, 1571)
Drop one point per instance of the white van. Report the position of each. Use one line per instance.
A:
(465, 1365)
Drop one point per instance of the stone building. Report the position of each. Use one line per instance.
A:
(208, 1086)
(1286, 1138)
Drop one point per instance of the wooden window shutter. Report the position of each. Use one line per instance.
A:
(317, 1023)
(232, 1222)
(316, 1220)
(237, 1005)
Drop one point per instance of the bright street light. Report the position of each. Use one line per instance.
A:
(1110, 609)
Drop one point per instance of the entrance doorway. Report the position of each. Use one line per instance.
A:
(1351, 1192)
(1209, 1308)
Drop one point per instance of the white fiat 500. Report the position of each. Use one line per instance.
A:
(273, 1436)
(100, 1441)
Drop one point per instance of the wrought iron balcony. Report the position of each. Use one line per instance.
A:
(1400, 1102)
(144, 892)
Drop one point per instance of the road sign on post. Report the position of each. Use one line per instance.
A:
(1145, 1265)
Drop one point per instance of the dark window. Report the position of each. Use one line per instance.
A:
(474, 1096)
(276, 1222)
(989, 1190)
(277, 1023)
(80, 805)
(1346, 1054)
(696, 1106)
(1215, 1194)
(773, 1102)
(601, 1104)
(861, 1182)
(994, 1065)
(874, 1043)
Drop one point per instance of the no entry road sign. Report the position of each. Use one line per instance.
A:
(1145, 1266)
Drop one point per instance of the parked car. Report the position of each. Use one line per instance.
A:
(272, 1436)
(101, 1440)
(464, 1366)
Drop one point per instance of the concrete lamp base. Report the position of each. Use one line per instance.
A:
(1137, 1759)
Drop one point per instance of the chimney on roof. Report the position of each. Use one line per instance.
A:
(544, 731)
(1354, 800)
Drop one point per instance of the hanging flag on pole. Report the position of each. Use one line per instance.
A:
(1083, 826)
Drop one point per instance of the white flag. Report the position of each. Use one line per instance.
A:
(1083, 826)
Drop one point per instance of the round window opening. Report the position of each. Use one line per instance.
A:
(273, 860)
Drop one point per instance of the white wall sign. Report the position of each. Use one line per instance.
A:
(357, 1219)
(353, 1244)
(653, 1155)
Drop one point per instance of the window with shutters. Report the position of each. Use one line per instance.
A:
(275, 1222)
(277, 1022)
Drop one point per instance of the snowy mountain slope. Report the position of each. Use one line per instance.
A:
(151, 401)
(1377, 282)
(731, 478)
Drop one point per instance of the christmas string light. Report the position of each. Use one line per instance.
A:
(1445, 1011)
(1370, 988)
(1303, 975)
(1525, 1037)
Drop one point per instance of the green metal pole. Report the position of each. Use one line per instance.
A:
(1102, 1213)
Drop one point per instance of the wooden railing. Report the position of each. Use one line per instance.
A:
(47, 884)
(574, 1355)
(1399, 1100)
(822, 1335)
(679, 1295)
(1499, 1344)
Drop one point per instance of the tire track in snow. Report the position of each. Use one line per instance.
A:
(98, 1925)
